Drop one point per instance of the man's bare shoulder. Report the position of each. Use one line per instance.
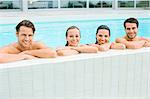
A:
(144, 38)
(10, 49)
(38, 45)
(121, 39)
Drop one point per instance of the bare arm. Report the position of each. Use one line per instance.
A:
(86, 49)
(42, 53)
(10, 53)
(13, 57)
(66, 52)
(147, 44)
(131, 44)
(147, 41)
(104, 47)
(117, 46)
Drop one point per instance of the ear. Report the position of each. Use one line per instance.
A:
(17, 34)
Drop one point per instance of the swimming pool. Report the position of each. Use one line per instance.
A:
(115, 74)
(53, 33)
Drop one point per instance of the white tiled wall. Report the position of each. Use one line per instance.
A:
(125, 76)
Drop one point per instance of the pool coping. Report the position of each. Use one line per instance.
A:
(83, 56)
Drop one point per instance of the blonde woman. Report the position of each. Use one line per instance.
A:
(72, 46)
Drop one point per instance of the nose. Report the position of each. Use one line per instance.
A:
(74, 38)
(26, 38)
(131, 30)
(103, 38)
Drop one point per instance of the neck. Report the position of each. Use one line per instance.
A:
(130, 39)
(22, 48)
(72, 45)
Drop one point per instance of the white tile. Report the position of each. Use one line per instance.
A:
(130, 75)
(106, 85)
(4, 84)
(79, 70)
(15, 82)
(27, 82)
(59, 76)
(98, 77)
(38, 81)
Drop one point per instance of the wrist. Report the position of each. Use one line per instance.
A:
(76, 49)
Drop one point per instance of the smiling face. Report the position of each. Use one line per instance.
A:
(73, 37)
(25, 36)
(131, 30)
(102, 36)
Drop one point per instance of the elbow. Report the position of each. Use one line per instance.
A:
(2, 60)
(118, 46)
(95, 50)
(60, 53)
(53, 54)
(117, 40)
(103, 48)
(92, 49)
(49, 53)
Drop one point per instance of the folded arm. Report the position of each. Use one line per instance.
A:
(41, 53)
(117, 46)
(131, 44)
(103, 47)
(40, 50)
(85, 49)
(66, 52)
(147, 43)
(14, 57)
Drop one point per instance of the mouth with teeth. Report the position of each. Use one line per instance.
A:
(102, 41)
(74, 43)
(26, 44)
(131, 36)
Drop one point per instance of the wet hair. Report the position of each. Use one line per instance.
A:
(26, 23)
(71, 27)
(131, 20)
(102, 27)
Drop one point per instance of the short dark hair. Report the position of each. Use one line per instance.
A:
(131, 20)
(102, 27)
(71, 27)
(26, 23)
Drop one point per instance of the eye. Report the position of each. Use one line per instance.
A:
(71, 36)
(133, 28)
(23, 34)
(106, 35)
(100, 35)
(77, 35)
(30, 35)
(128, 28)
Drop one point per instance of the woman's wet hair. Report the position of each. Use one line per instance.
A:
(26, 23)
(102, 27)
(71, 27)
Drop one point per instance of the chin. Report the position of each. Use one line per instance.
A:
(26, 46)
(74, 44)
(102, 42)
(131, 37)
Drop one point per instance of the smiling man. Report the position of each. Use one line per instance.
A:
(131, 40)
(25, 48)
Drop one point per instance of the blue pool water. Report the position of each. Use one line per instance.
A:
(53, 33)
